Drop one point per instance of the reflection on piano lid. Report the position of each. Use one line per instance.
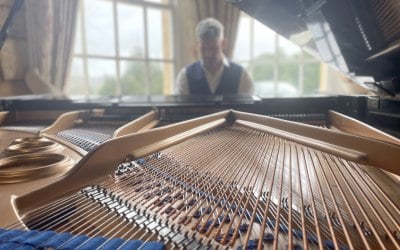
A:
(359, 37)
(165, 100)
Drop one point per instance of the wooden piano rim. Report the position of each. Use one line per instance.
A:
(100, 163)
(350, 125)
(68, 120)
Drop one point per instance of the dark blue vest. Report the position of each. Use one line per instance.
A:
(229, 83)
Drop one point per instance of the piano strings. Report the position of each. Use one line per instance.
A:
(235, 187)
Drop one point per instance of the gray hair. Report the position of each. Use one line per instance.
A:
(209, 28)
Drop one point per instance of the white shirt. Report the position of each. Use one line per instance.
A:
(181, 86)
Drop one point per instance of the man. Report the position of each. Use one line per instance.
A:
(213, 74)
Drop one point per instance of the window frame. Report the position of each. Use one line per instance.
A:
(277, 61)
(117, 59)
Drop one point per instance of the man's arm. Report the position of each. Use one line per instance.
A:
(181, 84)
(246, 86)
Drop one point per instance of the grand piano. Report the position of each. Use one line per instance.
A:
(213, 172)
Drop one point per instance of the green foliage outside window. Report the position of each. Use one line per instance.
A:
(133, 80)
(288, 70)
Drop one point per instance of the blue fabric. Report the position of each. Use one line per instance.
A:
(8, 245)
(113, 243)
(73, 242)
(23, 236)
(132, 244)
(153, 245)
(92, 243)
(25, 247)
(228, 84)
(57, 240)
(27, 240)
(39, 238)
(7, 235)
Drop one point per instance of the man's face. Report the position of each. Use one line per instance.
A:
(211, 53)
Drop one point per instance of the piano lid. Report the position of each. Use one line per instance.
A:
(361, 38)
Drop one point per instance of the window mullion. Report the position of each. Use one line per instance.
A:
(116, 42)
(301, 74)
(276, 65)
(84, 49)
(146, 52)
(251, 47)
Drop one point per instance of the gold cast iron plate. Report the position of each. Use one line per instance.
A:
(31, 145)
(33, 166)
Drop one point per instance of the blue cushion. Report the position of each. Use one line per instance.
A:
(27, 240)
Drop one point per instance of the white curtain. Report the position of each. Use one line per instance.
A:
(50, 31)
(192, 11)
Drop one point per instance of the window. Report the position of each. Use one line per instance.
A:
(278, 67)
(125, 47)
(122, 48)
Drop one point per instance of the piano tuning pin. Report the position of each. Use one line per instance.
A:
(119, 199)
(140, 161)
(147, 196)
(112, 196)
(297, 246)
(297, 233)
(226, 220)
(312, 238)
(219, 238)
(366, 231)
(251, 245)
(268, 237)
(178, 196)
(243, 227)
(258, 219)
(180, 206)
(197, 214)
(168, 210)
(202, 228)
(223, 202)
(284, 202)
(191, 202)
(178, 228)
(283, 228)
(166, 223)
(307, 210)
(183, 219)
(211, 198)
(206, 210)
(247, 214)
(396, 235)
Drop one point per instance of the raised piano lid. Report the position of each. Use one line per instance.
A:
(361, 38)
